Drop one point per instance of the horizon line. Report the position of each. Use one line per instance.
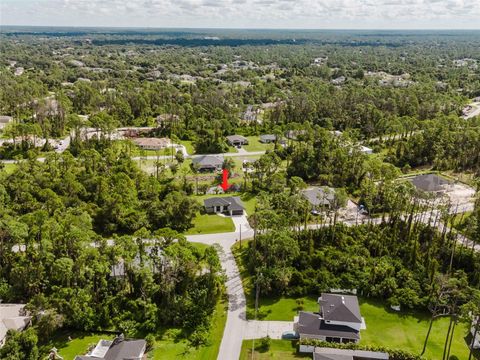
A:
(238, 28)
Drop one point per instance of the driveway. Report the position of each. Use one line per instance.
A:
(256, 329)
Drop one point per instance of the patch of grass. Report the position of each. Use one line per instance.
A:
(170, 349)
(79, 344)
(254, 144)
(279, 349)
(189, 146)
(211, 224)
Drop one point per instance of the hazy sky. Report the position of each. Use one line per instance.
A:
(357, 14)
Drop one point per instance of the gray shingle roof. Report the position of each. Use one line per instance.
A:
(340, 308)
(340, 354)
(311, 325)
(233, 202)
(208, 160)
(120, 350)
(319, 196)
(430, 182)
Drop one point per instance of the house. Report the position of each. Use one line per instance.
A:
(339, 80)
(430, 183)
(344, 354)
(151, 143)
(338, 320)
(116, 349)
(166, 118)
(294, 134)
(4, 120)
(250, 115)
(231, 205)
(319, 197)
(237, 140)
(366, 150)
(207, 163)
(12, 317)
(267, 139)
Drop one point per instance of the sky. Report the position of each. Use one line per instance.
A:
(284, 14)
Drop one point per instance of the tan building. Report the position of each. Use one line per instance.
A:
(151, 143)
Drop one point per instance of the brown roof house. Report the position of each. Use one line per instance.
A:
(151, 143)
(338, 320)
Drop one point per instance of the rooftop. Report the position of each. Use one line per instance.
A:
(12, 317)
(312, 325)
(118, 349)
(233, 202)
(208, 160)
(430, 182)
(343, 354)
(319, 196)
(340, 308)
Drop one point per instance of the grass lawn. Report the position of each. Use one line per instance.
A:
(189, 146)
(279, 349)
(211, 224)
(254, 144)
(403, 330)
(79, 344)
(170, 349)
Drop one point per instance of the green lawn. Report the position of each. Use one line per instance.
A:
(189, 146)
(211, 224)
(404, 330)
(170, 349)
(255, 145)
(279, 349)
(79, 344)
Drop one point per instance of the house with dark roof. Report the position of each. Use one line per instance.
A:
(117, 349)
(231, 205)
(207, 163)
(338, 320)
(430, 183)
(344, 354)
(237, 140)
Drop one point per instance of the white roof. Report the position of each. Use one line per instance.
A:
(11, 319)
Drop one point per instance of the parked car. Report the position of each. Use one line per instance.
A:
(290, 335)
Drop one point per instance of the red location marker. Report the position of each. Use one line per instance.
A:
(224, 183)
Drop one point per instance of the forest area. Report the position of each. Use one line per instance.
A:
(90, 242)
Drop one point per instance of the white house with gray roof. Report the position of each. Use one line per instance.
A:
(207, 163)
(231, 205)
(117, 349)
(338, 320)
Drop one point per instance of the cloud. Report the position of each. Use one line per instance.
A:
(244, 13)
